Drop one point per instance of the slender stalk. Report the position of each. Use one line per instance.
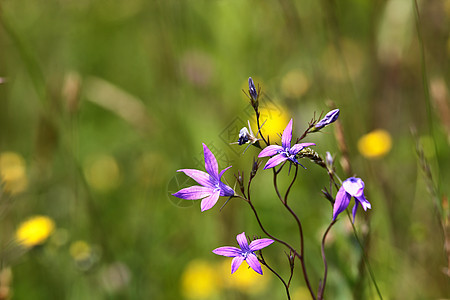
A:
(364, 256)
(267, 233)
(286, 285)
(322, 286)
(259, 128)
(299, 225)
(290, 186)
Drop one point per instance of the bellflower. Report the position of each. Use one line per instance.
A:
(351, 187)
(285, 151)
(211, 186)
(328, 119)
(246, 252)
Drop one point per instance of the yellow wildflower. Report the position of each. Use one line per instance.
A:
(13, 172)
(34, 231)
(375, 144)
(199, 280)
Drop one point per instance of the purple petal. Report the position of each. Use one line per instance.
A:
(287, 136)
(201, 177)
(223, 171)
(354, 209)
(194, 192)
(242, 241)
(298, 147)
(253, 262)
(225, 190)
(274, 161)
(236, 263)
(210, 201)
(341, 203)
(260, 243)
(270, 150)
(227, 251)
(354, 186)
(363, 201)
(210, 163)
(252, 89)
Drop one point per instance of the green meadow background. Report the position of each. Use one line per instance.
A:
(102, 101)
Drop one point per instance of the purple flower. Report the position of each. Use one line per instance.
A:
(245, 253)
(211, 186)
(328, 119)
(351, 187)
(285, 151)
(252, 89)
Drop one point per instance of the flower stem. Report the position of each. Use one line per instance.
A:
(322, 285)
(286, 285)
(299, 224)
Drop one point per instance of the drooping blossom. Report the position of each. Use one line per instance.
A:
(246, 252)
(328, 119)
(285, 151)
(211, 185)
(247, 136)
(351, 187)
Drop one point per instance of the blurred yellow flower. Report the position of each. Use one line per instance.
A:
(344, 62)
(244, 279)
(276, 120)
(102, 172)
(301, 293)
(375, 144)
(294, 84)
(199, 280)
(13, 172)
(34, 231)
(80, 250)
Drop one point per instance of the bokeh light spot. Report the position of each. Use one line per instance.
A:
(199, 280)
(244, 279)
(102, 173)
(294, 84)
(13, 172)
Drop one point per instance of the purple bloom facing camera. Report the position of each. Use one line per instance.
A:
(285, 151)
(246, 252)
(211, 186)
(328, 119)
(351, 187)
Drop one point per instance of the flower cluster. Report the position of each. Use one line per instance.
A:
(211, 187)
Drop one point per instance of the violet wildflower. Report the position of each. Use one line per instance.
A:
(351, 187)
(285, 151)
(327, 120)
(211, 186)
(252, 89)
(245, 253)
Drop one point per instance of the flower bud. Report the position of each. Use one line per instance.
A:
(252, 89)
(328, 119)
